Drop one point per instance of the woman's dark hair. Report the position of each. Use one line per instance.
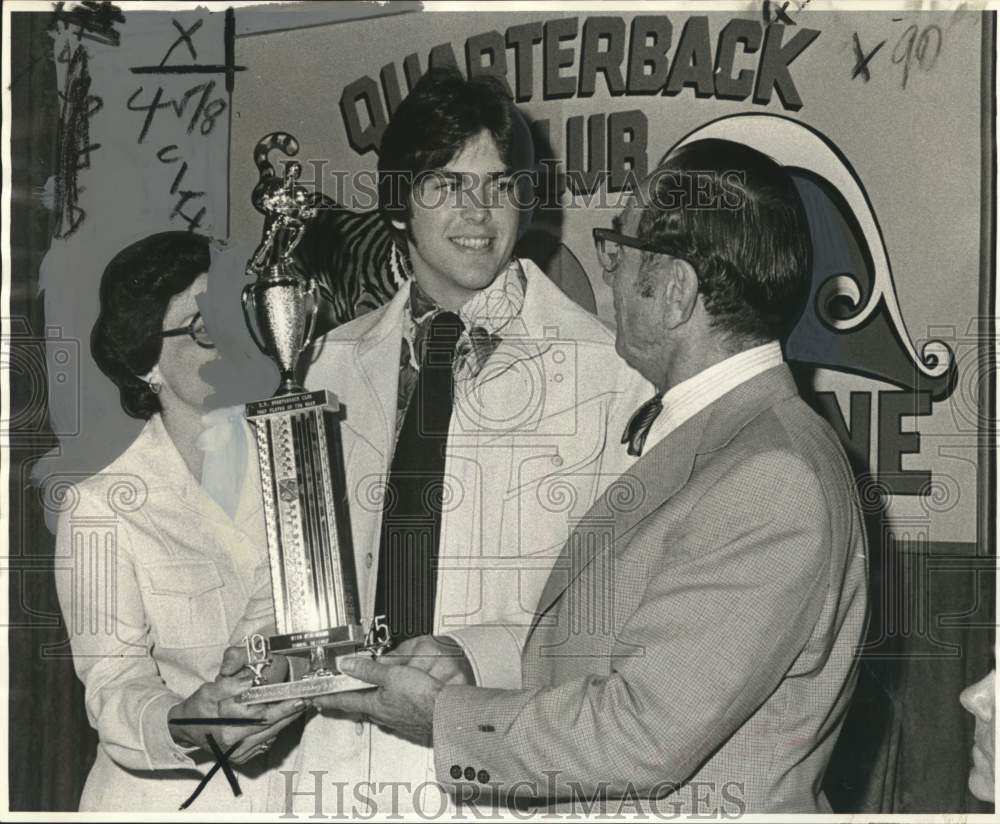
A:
(136, 287)
(736, 216)
(442, 113)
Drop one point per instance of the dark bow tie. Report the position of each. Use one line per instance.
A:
(640, 423)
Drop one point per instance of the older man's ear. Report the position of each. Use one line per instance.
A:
(676, 285)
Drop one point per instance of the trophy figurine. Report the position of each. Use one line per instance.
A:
(313, 577)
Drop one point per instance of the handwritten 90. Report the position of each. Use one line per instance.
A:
(922, 45)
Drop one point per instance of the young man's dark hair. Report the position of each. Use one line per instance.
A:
(442, 113)
(737, 218)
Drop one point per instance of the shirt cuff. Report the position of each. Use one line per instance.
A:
(493, 652)
(162, 752)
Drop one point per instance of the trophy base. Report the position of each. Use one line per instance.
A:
(303, 688)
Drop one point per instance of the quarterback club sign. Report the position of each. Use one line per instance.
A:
(749, 60)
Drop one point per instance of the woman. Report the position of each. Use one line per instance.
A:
(165, 575)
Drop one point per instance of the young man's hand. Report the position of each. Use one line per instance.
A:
(437, 655)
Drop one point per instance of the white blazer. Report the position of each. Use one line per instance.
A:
(155, 580)
(526, 457)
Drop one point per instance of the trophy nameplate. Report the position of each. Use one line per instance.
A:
(313, 575)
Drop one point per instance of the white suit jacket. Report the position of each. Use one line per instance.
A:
(525, 458)
(155, 580)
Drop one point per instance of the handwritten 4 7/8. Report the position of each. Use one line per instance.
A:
(206, 111)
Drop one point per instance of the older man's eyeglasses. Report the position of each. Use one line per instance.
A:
(196, 329)
(610, 246)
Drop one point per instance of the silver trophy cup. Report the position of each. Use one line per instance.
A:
(313, 575)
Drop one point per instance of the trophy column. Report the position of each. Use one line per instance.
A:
(313, 576)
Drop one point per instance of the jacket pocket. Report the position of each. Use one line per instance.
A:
(184, 604)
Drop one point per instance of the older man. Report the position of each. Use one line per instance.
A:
(693, 649)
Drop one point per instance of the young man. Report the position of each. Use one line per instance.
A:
(478, 404)
(737, 586)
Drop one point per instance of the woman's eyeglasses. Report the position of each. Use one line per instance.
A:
(610, 246)
(196, 329)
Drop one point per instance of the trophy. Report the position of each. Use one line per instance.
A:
(313, 577)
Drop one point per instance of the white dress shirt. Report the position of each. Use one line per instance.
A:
(689, 397)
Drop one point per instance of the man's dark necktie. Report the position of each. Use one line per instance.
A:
(639, 424)
(411, 515)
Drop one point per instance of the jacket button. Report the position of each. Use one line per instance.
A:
(359, 727)
(483, 777)
(456, 771)
(368, 560)
(470, 774)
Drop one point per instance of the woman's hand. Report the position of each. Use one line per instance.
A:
(235, 662)
(218, 700)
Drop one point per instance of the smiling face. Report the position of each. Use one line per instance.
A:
(980, 700)
(181, 359)
(463, 224)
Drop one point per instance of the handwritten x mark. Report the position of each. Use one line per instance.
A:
(185, 38)
(221, 761)
(780, 13)
(861, 67)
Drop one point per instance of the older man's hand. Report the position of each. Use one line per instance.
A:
(403, 702)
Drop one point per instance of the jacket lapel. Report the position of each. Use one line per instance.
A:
(533, 332)
(376, 353)
(524, 337)
(660, 474)
(378, 358)
(625, 503)
(163, 470)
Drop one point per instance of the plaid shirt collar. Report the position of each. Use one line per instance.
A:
(485, 315)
